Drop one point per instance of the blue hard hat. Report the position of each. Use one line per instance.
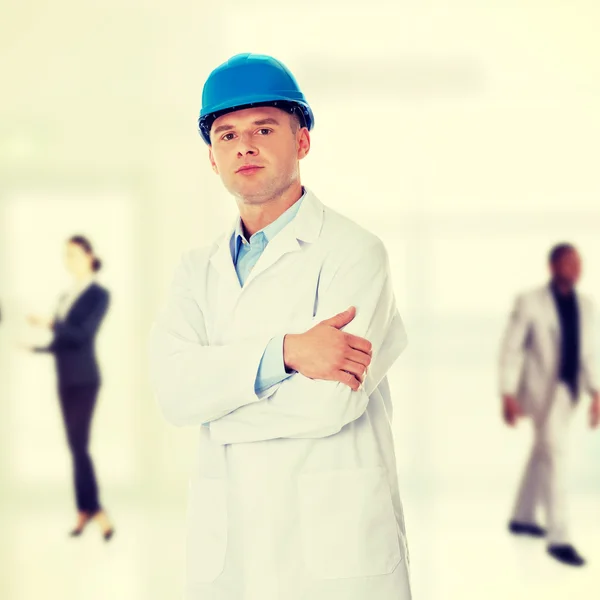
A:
(249, 80)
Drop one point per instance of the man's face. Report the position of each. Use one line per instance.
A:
(256, 152)
(567, 268)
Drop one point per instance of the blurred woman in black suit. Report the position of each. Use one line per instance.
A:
(79, 315)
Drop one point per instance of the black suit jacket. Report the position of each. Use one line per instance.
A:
(74, 337)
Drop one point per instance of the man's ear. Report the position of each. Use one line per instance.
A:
(211, 157)
(303, 142)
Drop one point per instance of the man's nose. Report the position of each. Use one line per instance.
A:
(246, 146)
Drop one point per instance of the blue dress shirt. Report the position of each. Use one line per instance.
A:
(245, 254)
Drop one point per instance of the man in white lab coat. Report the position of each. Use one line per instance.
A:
(275, 342)
(546, 361)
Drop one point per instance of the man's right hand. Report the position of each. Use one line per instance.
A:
(511, 410)
(325, 352)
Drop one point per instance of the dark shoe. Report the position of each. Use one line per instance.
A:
(79, 529)
(105, 525)
(565, 553)
(526, 529)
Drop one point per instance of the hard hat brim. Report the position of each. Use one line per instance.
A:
(210, 114)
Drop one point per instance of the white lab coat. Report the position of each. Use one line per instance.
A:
(294, 495)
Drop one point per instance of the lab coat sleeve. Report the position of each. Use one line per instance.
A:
(512, 349)
(588, 358)
(193, 381)
(300, 407)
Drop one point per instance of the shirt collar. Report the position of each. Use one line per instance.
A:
(268, 232)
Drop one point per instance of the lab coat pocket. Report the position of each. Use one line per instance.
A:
(207, 529)
(348, 524)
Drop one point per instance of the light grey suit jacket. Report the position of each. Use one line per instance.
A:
(530, 349)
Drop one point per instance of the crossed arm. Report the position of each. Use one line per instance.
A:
(194, 383)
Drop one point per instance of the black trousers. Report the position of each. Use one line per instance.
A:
(77, 404)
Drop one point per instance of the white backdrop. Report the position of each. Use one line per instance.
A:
(466, 135)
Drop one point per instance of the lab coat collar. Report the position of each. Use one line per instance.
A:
(305, 227)
(309, 220)
(270, 231)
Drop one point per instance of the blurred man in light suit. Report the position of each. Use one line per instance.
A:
(546, 362)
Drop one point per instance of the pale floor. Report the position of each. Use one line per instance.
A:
(459, 551)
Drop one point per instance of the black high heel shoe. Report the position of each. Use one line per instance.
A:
(105, 525)
(77, 531)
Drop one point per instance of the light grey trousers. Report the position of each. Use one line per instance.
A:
(543, 483)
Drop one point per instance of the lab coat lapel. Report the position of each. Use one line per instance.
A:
(283, 243)
(222, 261)
(305, 227)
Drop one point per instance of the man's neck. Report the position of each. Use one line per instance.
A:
(257, 216)
(563, 288)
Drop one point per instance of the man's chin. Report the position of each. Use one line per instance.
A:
(251, 193)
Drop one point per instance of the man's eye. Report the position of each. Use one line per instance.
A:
(264, 131)
(227, 137)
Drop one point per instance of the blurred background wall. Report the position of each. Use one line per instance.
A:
(466, 136)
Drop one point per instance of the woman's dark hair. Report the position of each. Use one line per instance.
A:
(86, 246)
